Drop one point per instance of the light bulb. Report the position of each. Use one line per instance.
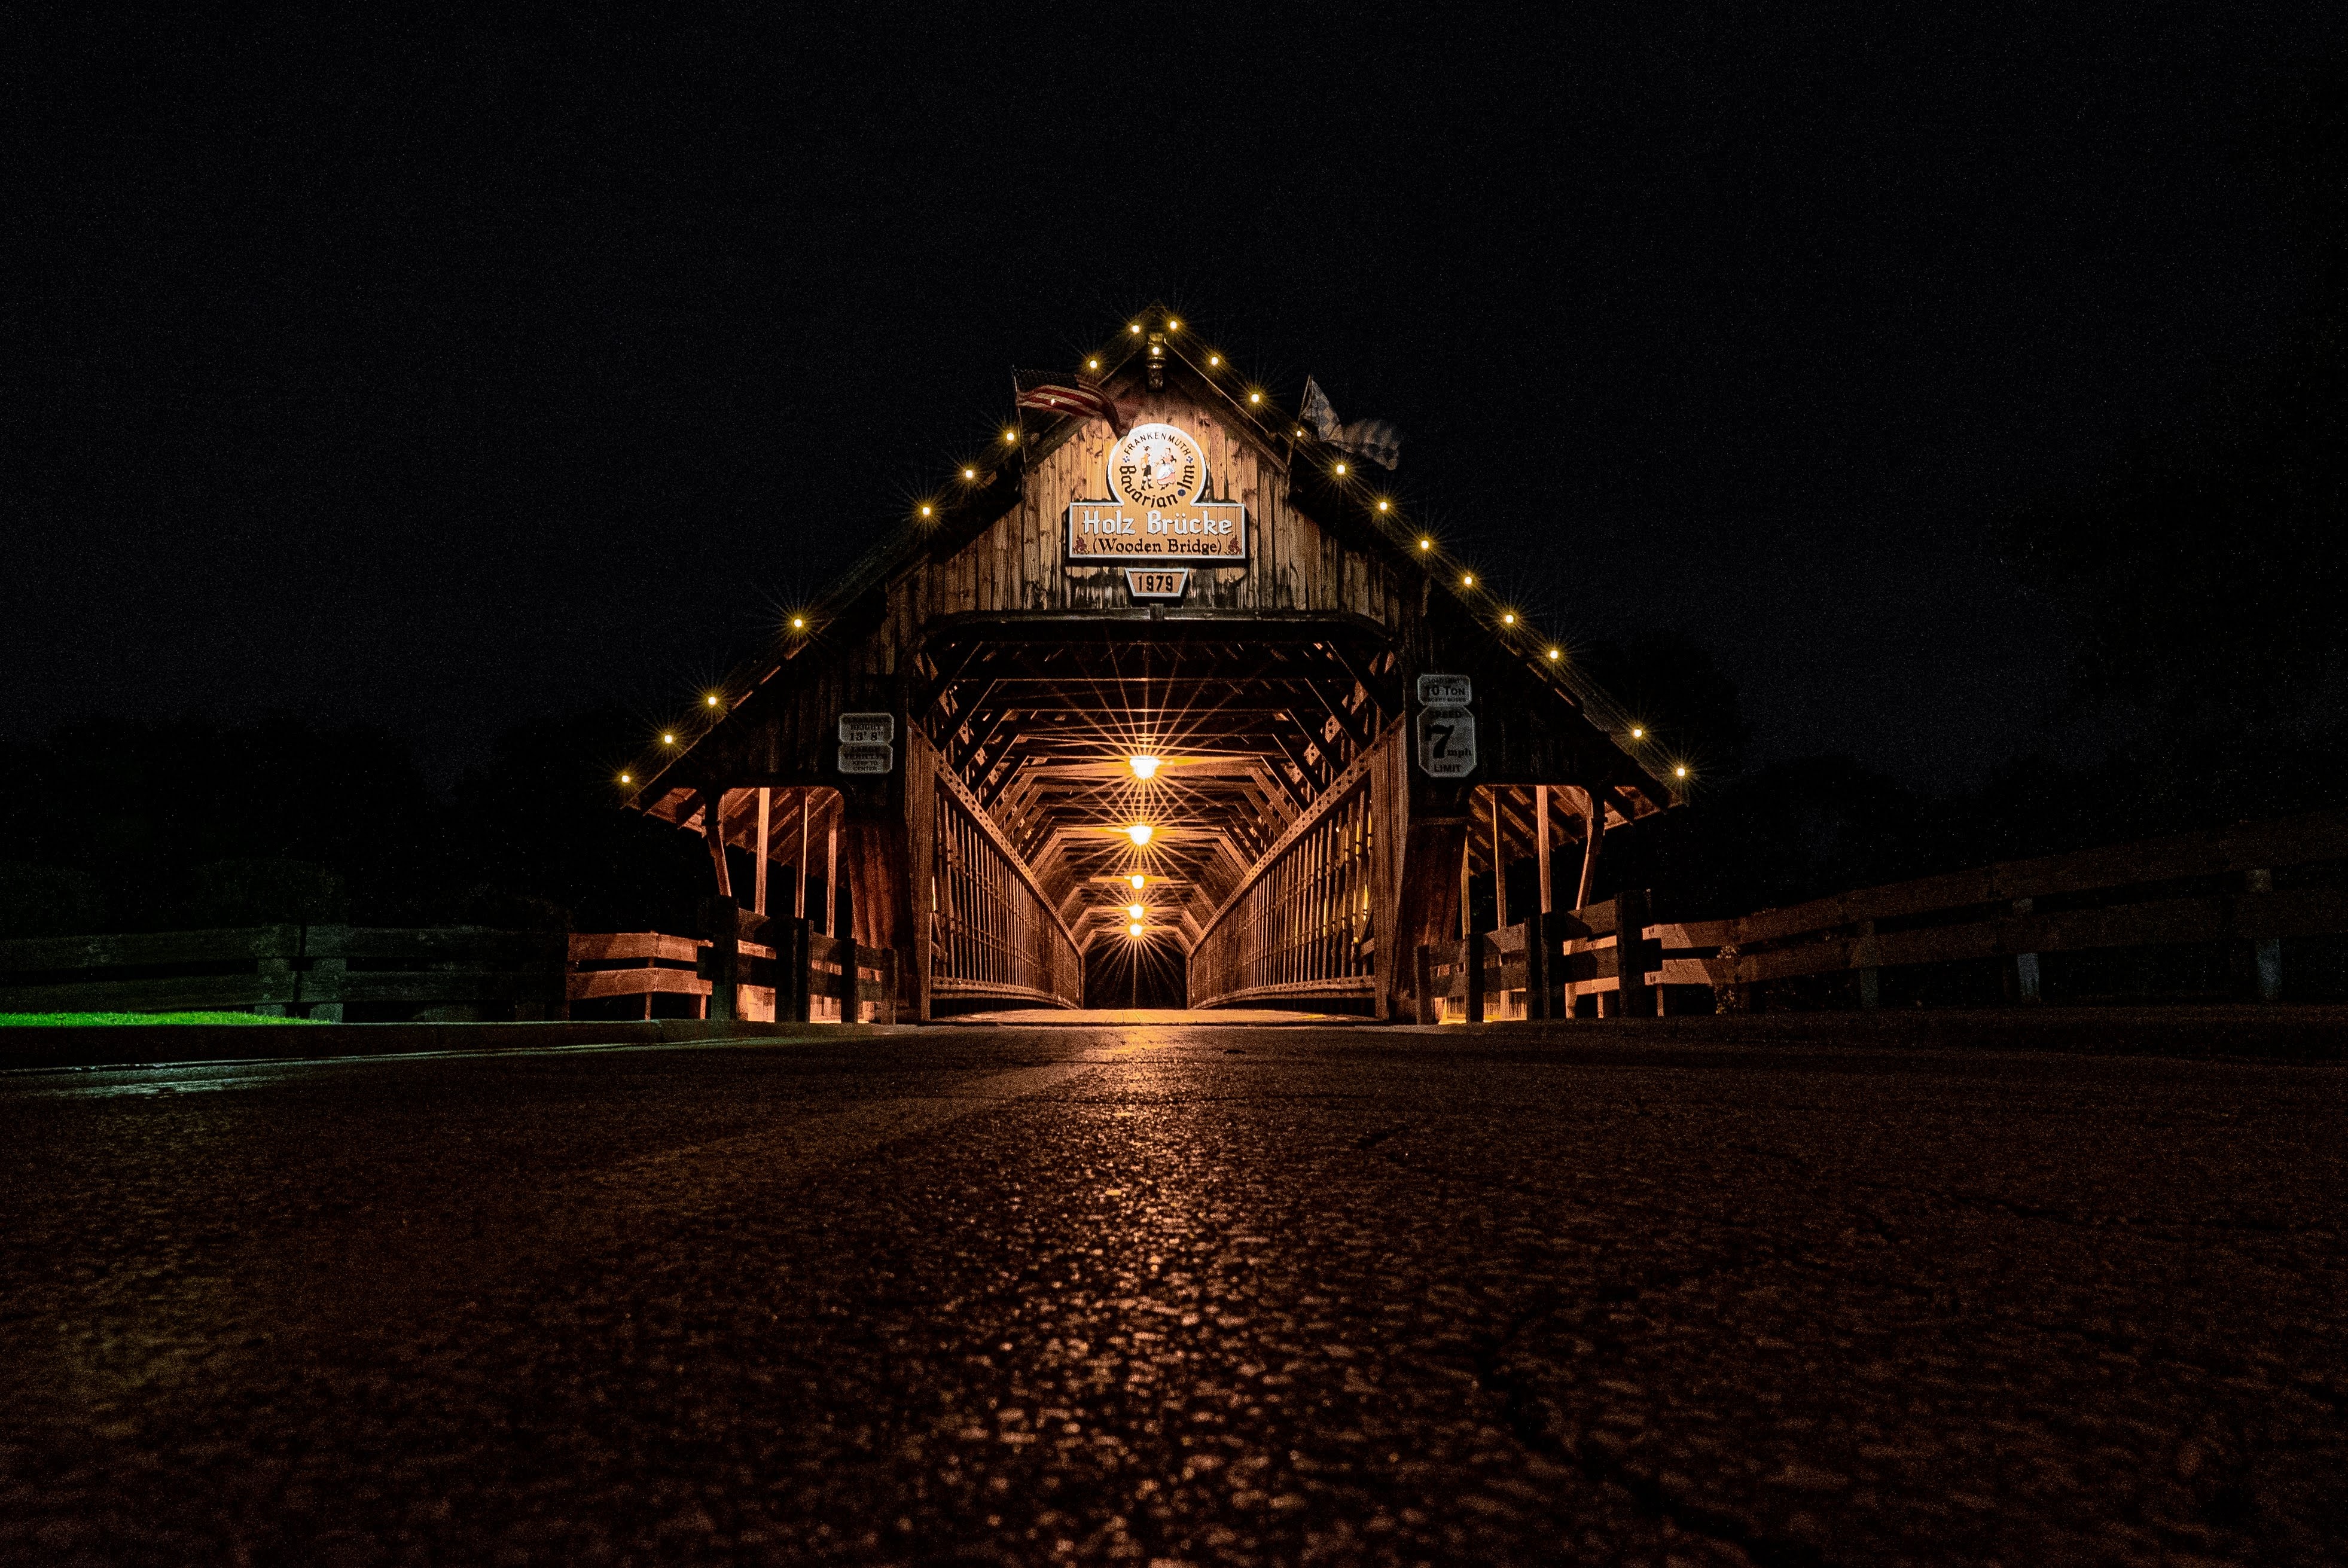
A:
(1556, 653)
(1426, 544)
(1173, 325)
(1382, 506)
(1638, 732)
(1340, 467)
(1134, 910)
(711, 699)
(1508, 619)
(1011, 437)
(1144, 767)
(1135, 329)
(1679, 772)
(1138, 880)
(668, 740)
(798, 623)
(1213, 360)
(1139, 833)
(1466, 579)
(1092, 365)
(970, 473)
(1255, 396)
(627, 778)
(1133, 930)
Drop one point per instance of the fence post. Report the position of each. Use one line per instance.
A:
(1870, 978)
(795, 960)
(851, 1005)
(2022, 969)
(1422, 979)
(2266, 952)
(884, 1011)
(1537, 965)
(1471, 954)
(720, 915)
(1632, 952)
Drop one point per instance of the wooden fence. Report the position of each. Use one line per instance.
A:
(794, 974)
(325, 972)
(2214, 887)
(2210, 889)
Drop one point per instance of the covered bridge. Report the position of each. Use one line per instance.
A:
(1170, 648)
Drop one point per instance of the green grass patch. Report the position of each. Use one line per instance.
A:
(20, 1019)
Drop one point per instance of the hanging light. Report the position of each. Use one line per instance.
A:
(1680, 772)
(1144, 767)
(1255, 396)
(1138, 880)
(798, 623)
(1557, 653)
(1133, 930)
(668, 739)
(1340, 467)
(1135, 329)
(1213, 360)
(1139, 833)
(1383, 506)
(970, 473)
(1011, 437)
(1173, 325)
(711, 700)
(1134, 910)
(1638, 732)
(1426, 544)
(1092, 365)
(1466, 579)
(1509, 618)
(627, 778)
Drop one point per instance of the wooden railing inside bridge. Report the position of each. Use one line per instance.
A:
(993, 934)
(1305, 920)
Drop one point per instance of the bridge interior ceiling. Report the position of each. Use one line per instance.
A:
(1246, 735)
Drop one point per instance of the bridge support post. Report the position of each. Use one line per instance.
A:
(1428, 903)
(1634, 951)
(722, 916)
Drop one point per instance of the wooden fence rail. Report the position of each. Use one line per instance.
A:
(2214, 887)
(324, 972)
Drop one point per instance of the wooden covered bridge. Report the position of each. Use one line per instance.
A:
(1170, 670)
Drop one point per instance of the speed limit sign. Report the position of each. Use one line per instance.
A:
(1446, 742)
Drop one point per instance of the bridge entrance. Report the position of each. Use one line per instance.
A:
(1169, 680)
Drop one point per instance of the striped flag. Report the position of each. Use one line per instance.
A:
(1052, 392)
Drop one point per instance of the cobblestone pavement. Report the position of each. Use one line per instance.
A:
(1190, 1295)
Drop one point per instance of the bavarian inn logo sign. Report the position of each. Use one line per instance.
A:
(1157, 474)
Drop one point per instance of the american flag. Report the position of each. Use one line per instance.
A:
(1052, 392)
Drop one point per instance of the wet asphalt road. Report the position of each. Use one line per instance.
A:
(1196, 1295)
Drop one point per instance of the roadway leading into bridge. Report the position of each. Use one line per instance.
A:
(1185, 1294)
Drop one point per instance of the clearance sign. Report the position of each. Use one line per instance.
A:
(1155, 475)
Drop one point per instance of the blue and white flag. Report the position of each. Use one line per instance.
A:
(1374, 440)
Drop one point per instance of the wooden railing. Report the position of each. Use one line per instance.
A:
(993, 934)
(1303, 921)
(323, 972)
(793, 976)
(1473, 980)
(2213, 887)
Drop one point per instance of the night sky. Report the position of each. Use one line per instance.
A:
(445, 379)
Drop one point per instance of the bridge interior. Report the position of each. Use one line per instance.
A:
(1152, 751)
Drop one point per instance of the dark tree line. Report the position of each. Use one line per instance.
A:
(135, 826)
